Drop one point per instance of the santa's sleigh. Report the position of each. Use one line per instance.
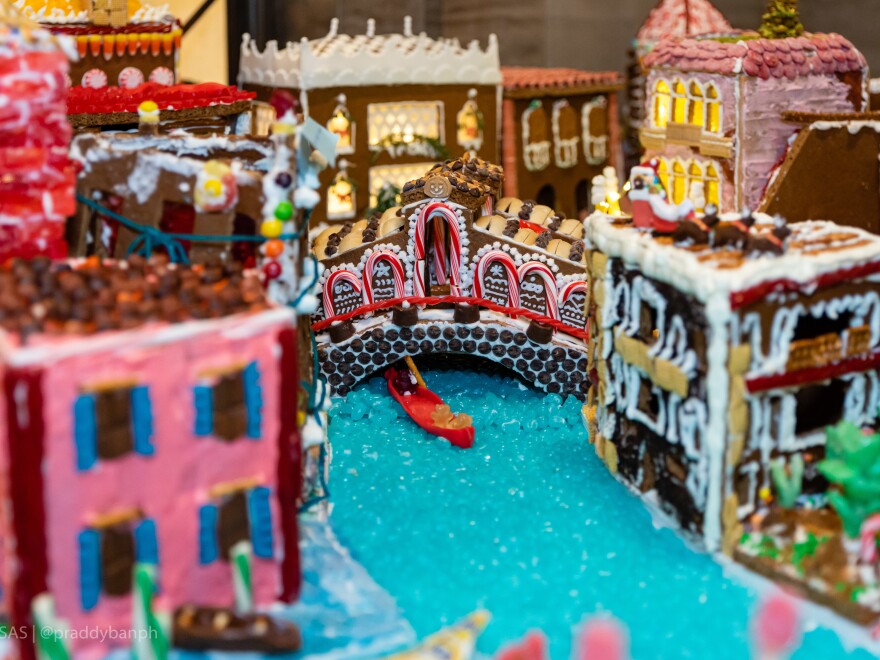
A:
(651, 208)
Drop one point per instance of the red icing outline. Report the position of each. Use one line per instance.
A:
(746, 297)
(815, 374)
(25, 442)
(289, 466)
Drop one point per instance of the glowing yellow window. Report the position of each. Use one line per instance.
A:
(679, 103)
(696, 187)
(713, 110)
(713, 186)
(663, 173)
(661, 104)
(697, 111)
(679, 182)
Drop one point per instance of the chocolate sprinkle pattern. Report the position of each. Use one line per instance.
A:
(44, 297)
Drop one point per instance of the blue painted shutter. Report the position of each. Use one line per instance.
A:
(260, 518)
(253, 399)
(208, 548)
(146, 542)
(142, 420)
(85, 431)
(204, 402)
(89, 568)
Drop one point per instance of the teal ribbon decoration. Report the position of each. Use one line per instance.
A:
(150, 238)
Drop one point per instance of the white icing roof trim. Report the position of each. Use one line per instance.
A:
(705, 281)
(341, 60)
(146, 14)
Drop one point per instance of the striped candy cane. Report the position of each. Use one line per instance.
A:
(329, 312)
(437, 209)
(439, 253)
(396, 268)
(870, 529)
(497, 256)
(549, 284)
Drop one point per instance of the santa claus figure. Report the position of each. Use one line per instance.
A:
(651, 207)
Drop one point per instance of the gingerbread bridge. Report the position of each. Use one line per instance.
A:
(430, 279)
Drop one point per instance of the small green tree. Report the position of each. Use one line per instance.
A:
(781, 20)
(852, 464)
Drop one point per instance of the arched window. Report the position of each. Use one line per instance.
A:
(696, 113)
(469, 124)
(713, 186)
(679, 103)
(594, 125)
(713, 109)
(340, 124)
(535, 137)
(663, 173)
(679, 182)
(565, 134)
(696, 186)
(661, 104)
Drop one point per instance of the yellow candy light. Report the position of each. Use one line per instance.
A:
(271, 228)
(214, 187)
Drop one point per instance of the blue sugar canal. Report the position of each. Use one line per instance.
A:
(527, 524)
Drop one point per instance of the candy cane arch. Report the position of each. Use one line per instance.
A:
(549, 284)
(570, 289)
(396, 267)
(439, 253)
(433, 210)
(497, 256)
(329, 312)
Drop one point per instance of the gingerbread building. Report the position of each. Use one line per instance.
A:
(398, 102)
(670, 18)
(716, 353)
(715, 105)
(162, 407)
(560, 129)
(119, 42)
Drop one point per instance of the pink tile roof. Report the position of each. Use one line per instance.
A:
(682, 18)
(810, 54)
(539, 78)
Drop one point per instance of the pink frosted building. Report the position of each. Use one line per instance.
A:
(714, 108)
(152, 432)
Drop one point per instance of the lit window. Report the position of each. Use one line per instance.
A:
(393, 176)
(713, 186)
(340, 124)
(535, 137)
(565, 134)
(663, 173)
(679, 182)
(697, 110)
(661, 104)
(679, 103)
(696, 186)
(341, 202)
(469, 122)
(713, 109)
(594, 124)
(411, 128)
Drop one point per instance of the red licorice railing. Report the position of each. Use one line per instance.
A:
(439, 300)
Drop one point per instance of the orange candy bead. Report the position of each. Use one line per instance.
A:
(274, 248)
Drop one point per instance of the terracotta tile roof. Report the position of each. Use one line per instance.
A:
(540, 78)
(810, 54)
(682, 18)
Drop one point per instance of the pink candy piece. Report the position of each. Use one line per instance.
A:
(775, 625)
(603, 639)
(532, 647)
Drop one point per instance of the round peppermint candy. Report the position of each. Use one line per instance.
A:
(162, 75)
(94, 78)
(130, 77)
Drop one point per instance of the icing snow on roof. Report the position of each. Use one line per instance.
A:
(682, 18)
(77, 11)
(746, 53)
(538, 78)
(369, 59)
(817, 253)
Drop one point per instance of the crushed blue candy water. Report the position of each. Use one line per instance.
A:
(527, 524)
